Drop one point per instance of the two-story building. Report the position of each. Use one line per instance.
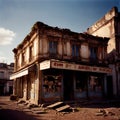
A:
(53, 64)
(6, 85)
(109, 26)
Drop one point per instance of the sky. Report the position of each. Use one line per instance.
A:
(18, 16)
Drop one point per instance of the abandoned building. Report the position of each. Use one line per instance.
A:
(6, 85)
(109, 26)
(53, 64)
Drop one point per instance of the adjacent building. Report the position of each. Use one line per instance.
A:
(53, 64)
(6, 85)
(109, 26)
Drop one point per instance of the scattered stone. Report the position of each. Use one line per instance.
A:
(55, 105)
(63, 108)
(30, 105)
(13, 97)
(21, 101)
(26, 110)
(111, 113)
(99, 114)
(41, 105)
(39, 112)
(103, 112)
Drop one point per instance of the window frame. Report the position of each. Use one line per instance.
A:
(93, 53)
(53, 47)
(31, 49)
(75, 49)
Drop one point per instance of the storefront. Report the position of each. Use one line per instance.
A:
(69, 81)
(26, 84)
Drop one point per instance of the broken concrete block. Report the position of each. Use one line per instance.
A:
(99, 114)
(55, 105)
(63, 108)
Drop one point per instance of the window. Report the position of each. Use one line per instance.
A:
(18, 61)
(23, 58)
(53, 47)
(95, 86)
(81, 81)
(1, 74)
(31, 52)
(75, 50)
(93, 53)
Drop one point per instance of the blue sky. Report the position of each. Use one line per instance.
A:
(18, 16)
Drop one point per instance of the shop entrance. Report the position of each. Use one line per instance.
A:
(68, 85)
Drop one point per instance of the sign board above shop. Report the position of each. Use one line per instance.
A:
(71, 66)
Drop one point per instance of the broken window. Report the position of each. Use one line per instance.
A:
(95, 86)
(80, 82)
(52, 84)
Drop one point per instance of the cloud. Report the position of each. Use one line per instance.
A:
(2, 58)
(6, 36)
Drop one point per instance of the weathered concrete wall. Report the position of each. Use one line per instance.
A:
(105, 27)
(84, 51)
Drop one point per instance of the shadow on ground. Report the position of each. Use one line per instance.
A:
(8, 114)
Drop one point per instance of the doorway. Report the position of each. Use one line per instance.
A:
(68, 92)
(109, 87)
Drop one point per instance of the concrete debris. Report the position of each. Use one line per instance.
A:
(30, 105)
(55, 105)
(21, 101)
(39, 112)
(63, 108)
(13, 97)
(103, 112)
(26, 110)
(41, 105)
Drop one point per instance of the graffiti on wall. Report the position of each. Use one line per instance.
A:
(52, 86)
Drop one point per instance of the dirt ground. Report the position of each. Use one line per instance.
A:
(10, 110)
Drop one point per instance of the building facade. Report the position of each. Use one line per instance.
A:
(109, 26)
(53, 64)
(6, 85)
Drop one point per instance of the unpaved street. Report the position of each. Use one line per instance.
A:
(10, 110)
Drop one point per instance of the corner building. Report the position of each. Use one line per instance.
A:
(53, 64)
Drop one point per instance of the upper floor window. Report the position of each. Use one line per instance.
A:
(31, 52)
(17, 61)
(1, 74)
(75, 50)
(23, 58)
(53, 47)
(93, 53)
